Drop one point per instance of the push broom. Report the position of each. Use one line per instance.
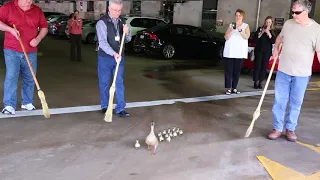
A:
(256, 114)
(108, 115)
(42, 98)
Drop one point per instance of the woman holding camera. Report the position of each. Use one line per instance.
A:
(75, 31)
(264, 39)
(235, 51)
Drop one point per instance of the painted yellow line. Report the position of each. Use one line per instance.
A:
(317, 149)
(280, 172)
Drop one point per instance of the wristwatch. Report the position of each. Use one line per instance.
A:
(240, 30)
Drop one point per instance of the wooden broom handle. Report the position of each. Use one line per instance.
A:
(28, 61)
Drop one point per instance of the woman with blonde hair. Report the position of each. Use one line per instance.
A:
(235, 51)
(264, 38)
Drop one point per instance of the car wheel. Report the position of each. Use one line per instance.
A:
(90, 39)
(168, 51)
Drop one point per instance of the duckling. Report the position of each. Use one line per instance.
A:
(161, 138)
(164, 132)
(168, 139)
(166, 136)
(159, 134)
(177, 130)
(137, 145)
(180, 132)
(169, 131)
(170, 134)
(174, 129)
(175, 134)
(152, 140)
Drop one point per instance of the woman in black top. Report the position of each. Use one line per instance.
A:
(264, 37)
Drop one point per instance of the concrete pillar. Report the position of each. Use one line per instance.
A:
(317, 12)
(227, 8)
(99, 8)
(83, 10)
(126, 7)
(189, 13)
(150, 8)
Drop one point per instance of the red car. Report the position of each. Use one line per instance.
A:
(248, 64)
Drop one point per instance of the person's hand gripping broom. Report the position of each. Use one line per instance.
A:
(256, 114)
(42, 98)
(108, 115)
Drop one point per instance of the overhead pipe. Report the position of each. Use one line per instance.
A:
(258, 14)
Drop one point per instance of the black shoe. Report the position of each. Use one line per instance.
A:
(255, 85)
(259, 85)
(235, 91)
(123, 114)
(104, 110)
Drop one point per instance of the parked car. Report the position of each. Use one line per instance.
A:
(172, 39)
(137, 23)
(56, 18)
(248, 64)
(55, 23)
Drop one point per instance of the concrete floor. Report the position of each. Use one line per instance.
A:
(81, 145)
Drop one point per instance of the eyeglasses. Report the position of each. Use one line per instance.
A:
(296, 12)
(116, 10)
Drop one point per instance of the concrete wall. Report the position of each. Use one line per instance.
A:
(65, 7)
(227, 8)
(150, 8)
(189, 13)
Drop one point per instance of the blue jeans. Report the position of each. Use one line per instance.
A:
(16, 63)
(292, 89)
(106, 69)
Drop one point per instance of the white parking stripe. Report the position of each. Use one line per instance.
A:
(77, 109)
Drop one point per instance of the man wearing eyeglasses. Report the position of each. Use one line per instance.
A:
(300, 39)
(109, 32)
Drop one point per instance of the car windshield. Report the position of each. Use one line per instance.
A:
(51, 17)
(157, 28)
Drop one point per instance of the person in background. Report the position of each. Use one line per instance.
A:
(31, 35)
(235, 51)
(300, 39)
(95, 38)
(75, 31)
(109, 32)
(264, 37)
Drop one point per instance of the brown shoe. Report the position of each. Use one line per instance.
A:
(291, 136)
(274, 135)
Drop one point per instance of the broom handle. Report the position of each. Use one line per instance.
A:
(267, 83)
(117, 67)
(28, 61)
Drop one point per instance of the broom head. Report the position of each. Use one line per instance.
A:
(108, 115)
(256, 115)
(44, 104)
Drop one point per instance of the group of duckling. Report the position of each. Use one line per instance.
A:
(167, 135)
(152, 140)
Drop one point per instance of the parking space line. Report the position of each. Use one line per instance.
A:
(279, 171)
(317, 149)
(68, 110)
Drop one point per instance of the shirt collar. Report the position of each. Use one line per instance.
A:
(113, 19)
